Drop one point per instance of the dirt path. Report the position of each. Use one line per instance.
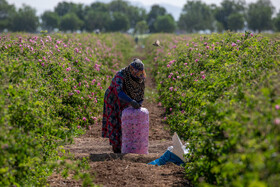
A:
(127, 169)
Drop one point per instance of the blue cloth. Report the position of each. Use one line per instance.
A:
(168, 156)
(124, 97)
(140, 102)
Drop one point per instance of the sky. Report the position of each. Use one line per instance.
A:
(172, 6)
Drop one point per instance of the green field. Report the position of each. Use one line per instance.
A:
(220, 93)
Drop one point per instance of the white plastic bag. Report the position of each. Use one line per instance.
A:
(178, 148)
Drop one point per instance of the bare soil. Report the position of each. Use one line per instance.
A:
(112, 169)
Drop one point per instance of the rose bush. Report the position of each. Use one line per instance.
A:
(220, 94)
(52, 88)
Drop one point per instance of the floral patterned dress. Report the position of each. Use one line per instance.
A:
(112, 111)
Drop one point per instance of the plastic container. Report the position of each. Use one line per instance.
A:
(135, 130)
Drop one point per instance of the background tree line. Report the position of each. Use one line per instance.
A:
(120, 15)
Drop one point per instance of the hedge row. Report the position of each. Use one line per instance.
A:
(221, 94)
(52, 88)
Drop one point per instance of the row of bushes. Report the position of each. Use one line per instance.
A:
(221, 94)
(52, 88)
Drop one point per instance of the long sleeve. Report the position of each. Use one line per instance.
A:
(122, 96)
(140, 102)
(119, 88)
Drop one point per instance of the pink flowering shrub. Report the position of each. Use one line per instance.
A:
(48, 96)
(229, 95)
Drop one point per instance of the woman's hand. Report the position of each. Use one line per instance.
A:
(135, 104)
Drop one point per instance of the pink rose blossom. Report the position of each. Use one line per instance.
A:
(277, 107)
(196, 60)
(277, 121)
(49, 38)
(170, 109)
(84, 118)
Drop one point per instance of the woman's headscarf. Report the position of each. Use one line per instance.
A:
(134, 80)
(137, 70)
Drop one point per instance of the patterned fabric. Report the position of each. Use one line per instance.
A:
(136, 69)
(113, 106)
(112, 111)
(137, 64)
(133, 88)
(135, 130)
